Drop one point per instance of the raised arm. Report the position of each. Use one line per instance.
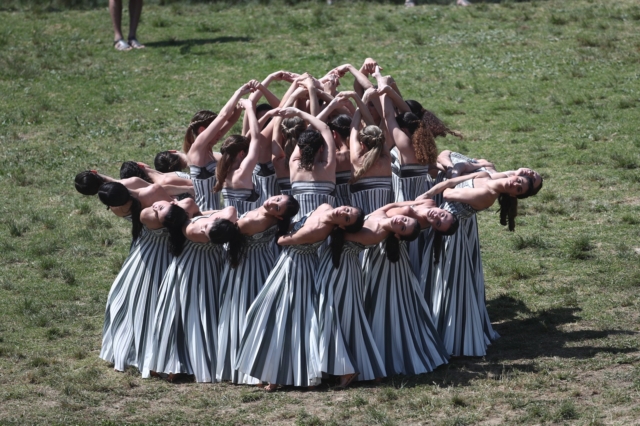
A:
(361, 82)
(200, 150)
(258, 141)
(330, 143)
(401, 140)
(450, 183)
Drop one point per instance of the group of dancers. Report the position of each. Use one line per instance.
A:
(347, 246)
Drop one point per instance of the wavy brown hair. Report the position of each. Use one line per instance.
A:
(201, 119)
(373, 138)
(422, 140)
(232, 146)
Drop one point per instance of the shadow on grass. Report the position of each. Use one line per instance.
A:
(196, 42)
(525, 336)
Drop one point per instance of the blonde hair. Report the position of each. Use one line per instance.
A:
(373, 138)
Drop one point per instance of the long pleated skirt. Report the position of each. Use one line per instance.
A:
(131, 303)
(346, 344)
(279, 343)
(186, 319)
(399, 317)
(239, 288)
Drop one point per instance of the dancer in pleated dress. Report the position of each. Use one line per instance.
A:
(347, 348)
(457, 298)
(241, 285)
(398, 315)
(125, 330)
(186, 319)
(280, 340)
(312, 165)
(201, 158)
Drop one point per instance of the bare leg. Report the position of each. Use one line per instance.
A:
(135, 10)
(115, 9)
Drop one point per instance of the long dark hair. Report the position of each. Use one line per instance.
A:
(291, 128)
(201, 119)
(174, 221)
(131, 169)
(422, 140)
(509, 205)
(224, 231)
(115, 194)
(392, 244)
(309, 142)
(337, 236)
(292, 209)
(437, 239)
(230, 149)
(88, 182)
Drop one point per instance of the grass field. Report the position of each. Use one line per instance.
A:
(553, 85)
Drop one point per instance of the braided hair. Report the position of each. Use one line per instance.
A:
(131, 169)
(373, 138)
(341, 124)
(201, 119)
(291, 129)
(167, 162)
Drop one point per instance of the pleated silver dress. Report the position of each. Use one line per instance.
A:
(371, 193)
(346, 344)
(399, 317)
(284, 184)
(413, 180)
(311, 194)
(265, 181)
(186, 319)
(457, 297)
(239, 288)
(243, 200)
(280, 339)
(204, 179)
(343, 194)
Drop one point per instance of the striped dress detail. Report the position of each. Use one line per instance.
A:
(280, 339)
(239, 288)
(204, 179)
(371, 193)
(265, 181)
(118, 346)
(399, 317)
(242, 199)
(343, 195)
(183, 175)
(311, 194)
(346, 344)
(457, 293)
(186, 319)
(284, 184)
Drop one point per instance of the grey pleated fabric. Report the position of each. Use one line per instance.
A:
(186, 319)
(284, 184)
(343, 194)
(279, 343)
(183, 175)
(346, 344)
(239, 288)
(204, 179)
(457, 294)
(399, 317)
(243, 200)
(117, 331)
(265, 181)
(311, 194)
(371, 193)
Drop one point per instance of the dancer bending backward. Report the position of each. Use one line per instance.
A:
(241, 285)
(131, 299)
(398, 315)
(201, 157)
(456, 295)
(186, 318)
(280, 340)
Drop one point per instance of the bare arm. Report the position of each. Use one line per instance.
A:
(440, 187)
(257, 144)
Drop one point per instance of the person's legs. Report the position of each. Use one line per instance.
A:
(115, 9)
(135, 10)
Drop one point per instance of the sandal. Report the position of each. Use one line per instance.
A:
(121, 45)
(349, 380)
(135, 44)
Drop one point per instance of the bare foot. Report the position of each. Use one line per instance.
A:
(346, 380)
(271, 387)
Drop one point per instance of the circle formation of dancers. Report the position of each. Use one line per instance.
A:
(347, 246)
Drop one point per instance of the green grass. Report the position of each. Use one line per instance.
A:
(551, 85)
